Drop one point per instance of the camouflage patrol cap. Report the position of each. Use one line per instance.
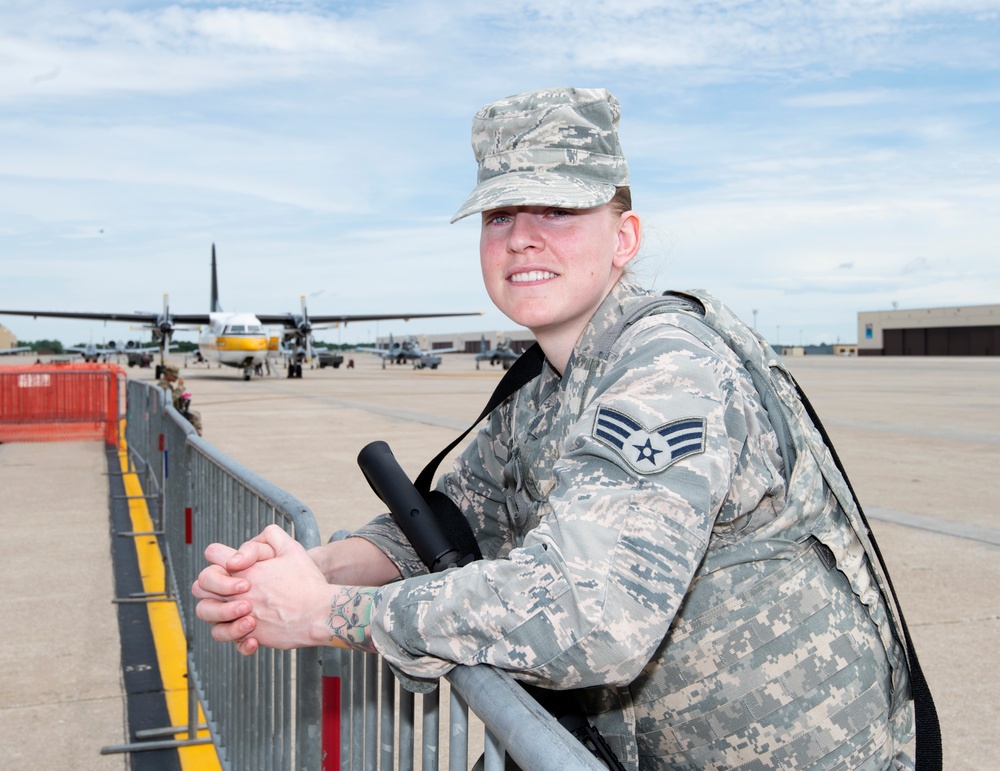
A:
(554, 147)
(172, 369)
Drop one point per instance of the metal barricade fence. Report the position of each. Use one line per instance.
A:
(278, 709)
(378, 725)
(144, 406)
(263, 711)
(274, 696)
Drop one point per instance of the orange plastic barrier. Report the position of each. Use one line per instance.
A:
(60, 402)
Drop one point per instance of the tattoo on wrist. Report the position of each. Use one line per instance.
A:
(350, 618)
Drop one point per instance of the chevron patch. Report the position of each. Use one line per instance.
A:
(648, 450)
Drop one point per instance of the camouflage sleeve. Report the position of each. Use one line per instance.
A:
(590, 594)
(386, 535)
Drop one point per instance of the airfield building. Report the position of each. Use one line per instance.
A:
(972, 330)
(468, 342)
(7, 339)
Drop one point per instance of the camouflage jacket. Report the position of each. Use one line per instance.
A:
(175, 389)
(644, 545)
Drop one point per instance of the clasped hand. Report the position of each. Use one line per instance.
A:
(268, 592)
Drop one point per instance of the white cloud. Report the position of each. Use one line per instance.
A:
(324, 147)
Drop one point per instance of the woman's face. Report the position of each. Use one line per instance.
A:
(549, 269)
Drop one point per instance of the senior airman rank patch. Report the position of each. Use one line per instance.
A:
(649, 450)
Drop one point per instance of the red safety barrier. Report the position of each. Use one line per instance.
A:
(60, 402)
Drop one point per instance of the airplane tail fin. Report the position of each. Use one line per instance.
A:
(215, 306)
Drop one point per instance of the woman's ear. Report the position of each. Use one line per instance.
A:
(629, 238)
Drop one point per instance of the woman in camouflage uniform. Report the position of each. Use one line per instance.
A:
(649, 537)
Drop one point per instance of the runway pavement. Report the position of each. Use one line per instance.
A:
(920, 439)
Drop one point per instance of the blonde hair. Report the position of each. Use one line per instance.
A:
(622, 200)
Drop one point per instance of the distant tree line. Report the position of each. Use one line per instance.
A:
(52, 347)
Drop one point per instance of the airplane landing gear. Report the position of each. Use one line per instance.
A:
(294, 370)
(247, 372)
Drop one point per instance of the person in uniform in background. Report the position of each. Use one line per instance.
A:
(645, 539)
(179, 397)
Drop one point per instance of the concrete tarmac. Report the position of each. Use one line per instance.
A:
(920, 439)
(60, 665)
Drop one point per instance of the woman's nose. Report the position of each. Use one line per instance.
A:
(524, 233)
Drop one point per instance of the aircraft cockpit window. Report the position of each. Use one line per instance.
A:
(255, 329)
(236, 329)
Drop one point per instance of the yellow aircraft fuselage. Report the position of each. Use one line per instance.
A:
(235, 340)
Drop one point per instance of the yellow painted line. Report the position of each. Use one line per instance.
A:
(165, 622)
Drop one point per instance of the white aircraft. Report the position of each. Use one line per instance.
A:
(238, 340)
(408, 350)
(93, 353)
(502, 354)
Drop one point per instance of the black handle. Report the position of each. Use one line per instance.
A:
(407, 506)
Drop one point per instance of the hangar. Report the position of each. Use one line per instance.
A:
(971, 330)
(469, 342)
(7, 339)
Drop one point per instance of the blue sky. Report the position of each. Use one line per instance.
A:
(807, 160)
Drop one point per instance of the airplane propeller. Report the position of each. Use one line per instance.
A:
(305, 329)
(163, 330)
(166, 329)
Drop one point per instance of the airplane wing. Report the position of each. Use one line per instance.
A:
(191, 319)
(137, 317)
(162, 324)
(141, 348)
(289, 320)
(4, 351)
(146, 318)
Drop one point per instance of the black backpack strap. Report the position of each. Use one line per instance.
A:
(526, 368)
(928, 728)
(562, 705)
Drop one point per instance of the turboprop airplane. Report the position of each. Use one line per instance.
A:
(234, 339)
(408, 350)
(502, 354)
